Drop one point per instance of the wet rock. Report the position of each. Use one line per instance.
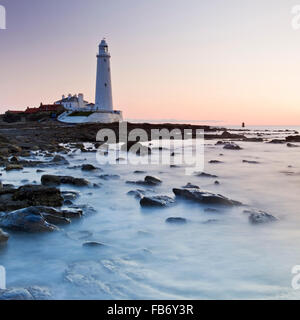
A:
(10, 167)
(107, 177)
(253, 139)
(291, 145)
(209, 221)
(58, 180)
(38, 196)
(88, 167)
(228, 135)
(58, 159)
(156, 201)
(14, 160)
(70, 195)
(293, 138)
(148, 181)
(93, 244)
(152, 180)
(205, 197)
(205, 175)
(28, 220)
(138, 194)
(56, 220)
(211, 210)
(215, 161)
(216, 182)
(40, 171)
(250, 162)
(232, 146)
(259, 217)
(176, 220)
(277, 141)
(3, 236)
(139, 172)
(31, 293)
(191, 186)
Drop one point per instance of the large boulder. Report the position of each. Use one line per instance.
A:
(205, 197)
(28, 220)
(48, 180)
(39, 196)
(156, 201)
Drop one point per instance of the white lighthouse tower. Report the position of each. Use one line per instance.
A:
(104, 99)
(103, 110)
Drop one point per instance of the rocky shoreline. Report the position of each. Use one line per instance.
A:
(43, 207)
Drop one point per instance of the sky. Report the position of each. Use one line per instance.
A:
(214, 61)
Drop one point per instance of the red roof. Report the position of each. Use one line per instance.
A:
(32, 110)
(15, 112)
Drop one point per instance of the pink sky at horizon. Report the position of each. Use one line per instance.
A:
(198, 60)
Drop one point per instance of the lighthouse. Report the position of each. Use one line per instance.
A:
(104, 100)
(77, 110)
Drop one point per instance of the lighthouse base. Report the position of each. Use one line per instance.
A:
(91, 117)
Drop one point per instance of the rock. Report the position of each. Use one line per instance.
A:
(10, 167)
(293, 138)
(39, 196)
(211, 210)
(191, 186)
(31, 293)
(291, 145)
(14, 159)
(176, 220)
(70, 195)
(3, 236)
(56, 220)
(209, 221)
(277, 141)
(232, 146)
(58, 159)
(217, 182)
(215, 161)
(205, 175)
(138, 194)
(109, 177)
(156, 201)
(88, 167)
(259, 217)
(58, 180)
(139, 172)
(251, 162)
(205, 197)
(148, 181)
(28, 220)
(152, 180)
(39, 171)
(228, 135)
(254, 139)
(93, 244)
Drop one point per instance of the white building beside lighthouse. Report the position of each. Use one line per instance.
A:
(103, 110)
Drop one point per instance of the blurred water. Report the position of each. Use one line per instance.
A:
(145, 258)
